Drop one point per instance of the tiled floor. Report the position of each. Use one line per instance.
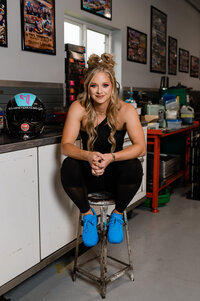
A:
(166, 261)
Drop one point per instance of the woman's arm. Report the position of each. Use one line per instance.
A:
(71, 131)
(136, 135)
(70, 134)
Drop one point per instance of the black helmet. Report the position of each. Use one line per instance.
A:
(25, 116)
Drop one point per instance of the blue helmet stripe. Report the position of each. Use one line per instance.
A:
(25, 99)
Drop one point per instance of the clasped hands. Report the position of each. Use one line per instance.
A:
(99, 162)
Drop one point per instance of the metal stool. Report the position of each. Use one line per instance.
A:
(103, 200)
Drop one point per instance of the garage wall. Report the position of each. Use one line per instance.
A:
(183, 24)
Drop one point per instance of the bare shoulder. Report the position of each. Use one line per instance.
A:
(76, 106)
(76, 110)
(126, 111)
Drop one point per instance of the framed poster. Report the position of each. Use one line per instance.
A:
(3, 23)
(101, 8)
(194, 66)
(136, 46)
(184, 56)
(172, 56)
(38, 26)
(158, 41)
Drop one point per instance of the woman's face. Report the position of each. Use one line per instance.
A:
(100, 88)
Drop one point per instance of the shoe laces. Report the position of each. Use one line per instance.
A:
(88, 225)
(115, 220)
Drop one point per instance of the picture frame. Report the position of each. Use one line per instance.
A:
(184, 57)
(38, 26)
(158, 41)
(98, 7)
(172, 55)
(136, 46)
(3, 24)
(194, 66)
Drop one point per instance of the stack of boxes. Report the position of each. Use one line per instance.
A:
(74, 71)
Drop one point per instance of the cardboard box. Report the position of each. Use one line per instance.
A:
(149, 118)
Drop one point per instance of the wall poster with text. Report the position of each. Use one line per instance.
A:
(38, 26)
(101, 8)
(3, 23)
(194, 66)
(184, 57)
(158, 41)
(136, 46)
(172, 56)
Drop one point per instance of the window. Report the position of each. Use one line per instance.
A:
(94, 38)
(96, 42)
(72, 33)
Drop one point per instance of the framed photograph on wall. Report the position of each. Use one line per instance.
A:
(98, 7)
(172, 56)
(136, 46)
(194, 66)
(158, 41)
(3, 23)
(184, 56)
(38, 26)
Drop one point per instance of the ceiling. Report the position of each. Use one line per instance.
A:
(195, 4)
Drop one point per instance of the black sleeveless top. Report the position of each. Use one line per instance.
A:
(101, 144)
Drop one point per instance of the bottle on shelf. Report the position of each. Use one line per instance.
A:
(131, 100)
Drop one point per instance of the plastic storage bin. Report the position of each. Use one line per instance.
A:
(174, 124)
(174, 105)
(153, 125)
(171, 114)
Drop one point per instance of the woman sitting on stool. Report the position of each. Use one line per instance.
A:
(102, 120)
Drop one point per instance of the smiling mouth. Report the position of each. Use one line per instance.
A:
(99, 96)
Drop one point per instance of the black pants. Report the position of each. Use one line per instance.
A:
(122, 178)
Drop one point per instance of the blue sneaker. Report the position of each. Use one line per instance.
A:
(115, 230)
(90, 235)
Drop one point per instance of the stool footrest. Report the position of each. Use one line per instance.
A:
(106, 280)
(117, 274)
(117, 260)
(88, 274)
(111, 278)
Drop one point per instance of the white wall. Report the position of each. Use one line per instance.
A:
(183, 24)
(16, 64)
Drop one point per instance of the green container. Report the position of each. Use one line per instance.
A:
(152, 109)
(181, 92)
(163, 198)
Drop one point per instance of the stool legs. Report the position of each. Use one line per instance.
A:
(128, 245)
(103, 280)
(77, 248)
(103, 257)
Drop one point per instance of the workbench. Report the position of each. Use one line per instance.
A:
(154, 139)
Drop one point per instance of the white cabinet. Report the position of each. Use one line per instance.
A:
(37, 218)
(58, 214)
(142, 190)
(19, 221)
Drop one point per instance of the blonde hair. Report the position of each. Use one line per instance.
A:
(97, 64)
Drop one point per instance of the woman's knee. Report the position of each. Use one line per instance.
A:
(70, 170)
(131, 171)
